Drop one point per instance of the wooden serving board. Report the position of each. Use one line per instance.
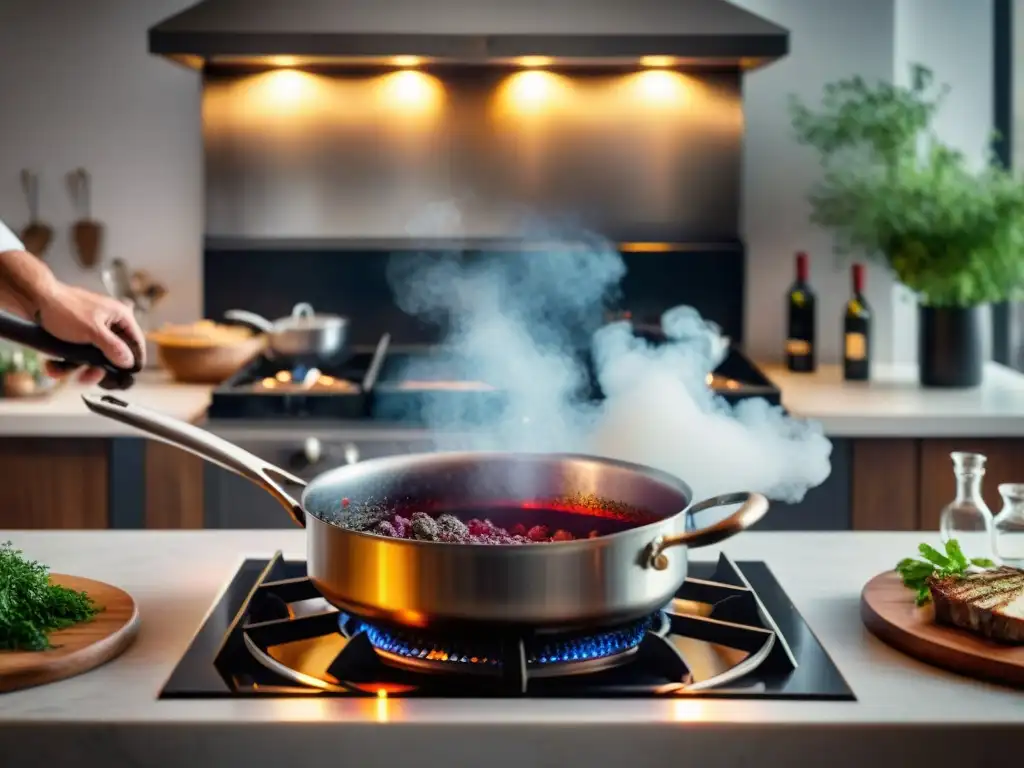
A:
(888, 611)
(79, 648)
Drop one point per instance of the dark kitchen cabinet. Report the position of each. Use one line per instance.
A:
(902, 484)
(825, 508)
(174, 483)
(1005, 465)
(54, 483)
(233, 502)
(230, 501)
(885, 488)
(883, 484)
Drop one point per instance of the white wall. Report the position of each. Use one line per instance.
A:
(955, 39)
(832, 39)
(78, 88)
(829, 39)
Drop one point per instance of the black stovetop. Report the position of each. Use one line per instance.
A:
(264, 389)
(731, 632)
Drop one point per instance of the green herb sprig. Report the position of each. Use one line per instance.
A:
(31, 606)
(915, 573)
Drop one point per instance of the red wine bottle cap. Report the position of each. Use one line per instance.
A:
(802, 271)
(858, 278)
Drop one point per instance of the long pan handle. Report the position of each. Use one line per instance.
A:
(203, 444)
(73, 355)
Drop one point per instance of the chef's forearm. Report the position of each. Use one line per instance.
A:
(24, 281)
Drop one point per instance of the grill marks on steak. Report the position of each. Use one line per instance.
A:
(990, 603)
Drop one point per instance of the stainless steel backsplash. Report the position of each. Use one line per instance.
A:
(651, 155)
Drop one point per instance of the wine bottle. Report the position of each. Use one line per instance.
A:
(857, 331)
(800, 352)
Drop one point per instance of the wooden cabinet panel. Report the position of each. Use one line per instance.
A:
(1005, 465)
(174, 487)
(885, 487)
(54, 483)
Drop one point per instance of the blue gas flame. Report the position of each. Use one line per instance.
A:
(540, 650)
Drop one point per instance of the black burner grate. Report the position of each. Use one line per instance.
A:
(273, 635)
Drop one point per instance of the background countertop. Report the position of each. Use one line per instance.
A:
(64, 414)
(177, 576)
(891, 405)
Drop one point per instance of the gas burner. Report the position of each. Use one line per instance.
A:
(549, 654)
(301, 379)
(269, 389)
(725, 633)
(400, 385)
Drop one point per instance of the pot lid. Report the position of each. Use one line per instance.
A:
(304, 317)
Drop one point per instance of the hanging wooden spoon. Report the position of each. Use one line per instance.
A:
(36, 235)
(86, 232)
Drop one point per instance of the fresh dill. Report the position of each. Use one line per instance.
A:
(31, 606)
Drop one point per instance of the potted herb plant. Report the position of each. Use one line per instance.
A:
(892, 191)
(21, 372)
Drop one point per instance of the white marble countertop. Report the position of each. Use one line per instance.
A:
(907, 713)
(893, 404)
(63, 414)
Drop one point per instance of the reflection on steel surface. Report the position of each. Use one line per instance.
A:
(295, 154)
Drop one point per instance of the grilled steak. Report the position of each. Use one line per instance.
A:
(990, 603)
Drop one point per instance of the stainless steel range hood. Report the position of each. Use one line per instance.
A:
(476, 32)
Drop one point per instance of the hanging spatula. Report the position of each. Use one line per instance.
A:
(86, 232)
(36, 236)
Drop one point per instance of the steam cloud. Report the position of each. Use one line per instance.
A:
(517, 323)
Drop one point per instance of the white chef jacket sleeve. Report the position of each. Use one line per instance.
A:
(8, 240)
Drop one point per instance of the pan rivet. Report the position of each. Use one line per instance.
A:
(656, 559)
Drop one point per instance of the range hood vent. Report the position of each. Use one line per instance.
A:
(475, 32)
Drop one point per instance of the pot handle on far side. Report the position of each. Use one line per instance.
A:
(753, 508)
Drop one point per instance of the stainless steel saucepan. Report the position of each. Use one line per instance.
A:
(627, 573)
(303, 337)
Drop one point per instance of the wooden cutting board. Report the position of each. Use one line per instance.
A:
(888, 611)
(79, 648)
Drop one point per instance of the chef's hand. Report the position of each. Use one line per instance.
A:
(82, 317)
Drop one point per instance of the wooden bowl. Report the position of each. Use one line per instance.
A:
(193, 359)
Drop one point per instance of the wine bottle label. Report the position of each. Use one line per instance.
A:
(798, 347)
(856, 346)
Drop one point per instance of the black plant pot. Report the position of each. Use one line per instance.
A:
(950, 346)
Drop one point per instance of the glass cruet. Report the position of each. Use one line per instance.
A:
(1009, 526)
(967, 518)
